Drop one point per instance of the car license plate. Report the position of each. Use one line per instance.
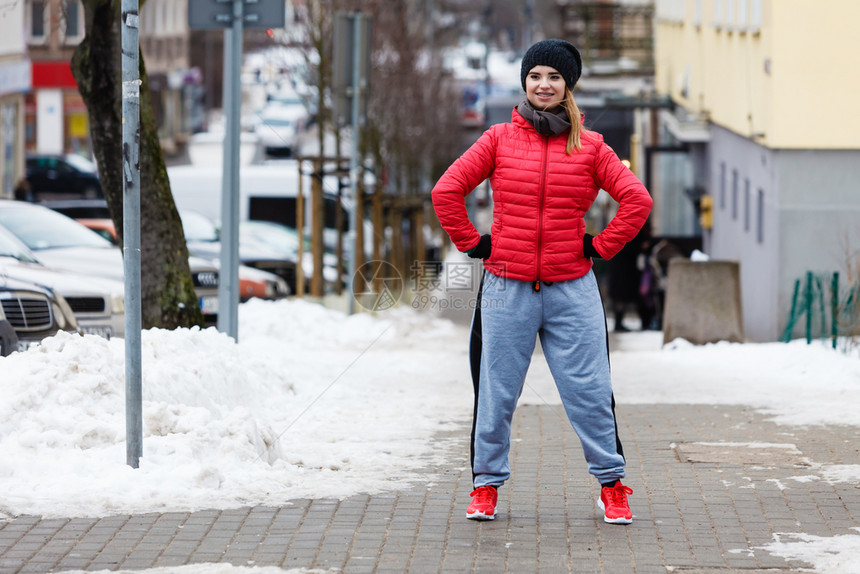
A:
(106, 332)
(209, 304)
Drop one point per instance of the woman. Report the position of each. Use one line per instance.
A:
(545, 170)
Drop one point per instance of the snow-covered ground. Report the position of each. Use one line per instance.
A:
(314, 403)
(310, 403)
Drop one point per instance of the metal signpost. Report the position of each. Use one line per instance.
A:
(232, 16)
(131, 231)
(351, 74)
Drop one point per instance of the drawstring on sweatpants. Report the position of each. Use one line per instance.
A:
(536, 285)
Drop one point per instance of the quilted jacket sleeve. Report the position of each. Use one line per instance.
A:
(634, 202)
(449, 193)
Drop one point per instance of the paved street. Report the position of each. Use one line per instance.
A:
(699, 507)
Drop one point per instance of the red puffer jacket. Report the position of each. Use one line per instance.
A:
(540, 196)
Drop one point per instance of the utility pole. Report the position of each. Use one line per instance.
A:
(131, 230)
(351, 75)
(232, 16)
(228, 284)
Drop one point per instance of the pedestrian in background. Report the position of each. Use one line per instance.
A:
(545, 170)
(629, 281)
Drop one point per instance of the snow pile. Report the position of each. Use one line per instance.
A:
(827, 555)
(310, 403)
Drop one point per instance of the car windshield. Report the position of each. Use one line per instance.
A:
(42, 228)
(197, 227)
(272, 235)
(80, 163)
(10, 246)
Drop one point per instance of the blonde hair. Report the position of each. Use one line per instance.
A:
(574, 140)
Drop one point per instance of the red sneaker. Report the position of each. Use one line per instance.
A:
(613, 503)
(483, 505)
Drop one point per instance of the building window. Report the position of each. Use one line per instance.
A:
(180, 18)
(160, 18)
(730, 15)
(743, 16)
(755, 16)
(671, 11)
(38, 27)
(72, 22)
(723, 185)
(759, 230)
(734, 194)
(747, 215)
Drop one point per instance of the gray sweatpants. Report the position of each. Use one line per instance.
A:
(568, 317)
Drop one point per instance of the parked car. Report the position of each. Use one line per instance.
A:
(285, 241)
(94, 214)
(259, 284)
(279, 128)
(204, 240)
(97, 302)
(91, 213)
(60, 242)
(8, 337)
(62, 175)
(266, 192)
(34, 312)
(80, 208)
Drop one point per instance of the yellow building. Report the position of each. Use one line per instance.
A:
(765, 92)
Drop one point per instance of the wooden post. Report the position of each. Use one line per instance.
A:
(338, 223)
(359, 224)
(300, 232)
(396, 215)
(378, 230)
(418, 235)
(378, 224)
(317, 224)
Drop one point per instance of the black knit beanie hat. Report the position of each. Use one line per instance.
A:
(558, 54)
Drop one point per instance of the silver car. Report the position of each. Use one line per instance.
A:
(8, 337)
(34, 312)
(97, 302)
(60, 242)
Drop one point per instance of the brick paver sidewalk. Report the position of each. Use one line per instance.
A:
(699, 508)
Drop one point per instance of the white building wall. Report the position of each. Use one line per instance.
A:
(807, 219)
(819, 221)
(746, 228)
(12, 29)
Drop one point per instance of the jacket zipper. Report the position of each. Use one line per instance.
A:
(536, 284)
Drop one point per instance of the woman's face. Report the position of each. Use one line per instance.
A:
(544, 88)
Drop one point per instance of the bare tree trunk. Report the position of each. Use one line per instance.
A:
(167, 292)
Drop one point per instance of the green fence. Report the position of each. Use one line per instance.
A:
(825, 309)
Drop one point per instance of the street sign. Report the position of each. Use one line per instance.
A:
(218, 14)
(352, 34)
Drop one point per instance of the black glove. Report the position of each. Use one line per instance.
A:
(483, 249)
(588, 249)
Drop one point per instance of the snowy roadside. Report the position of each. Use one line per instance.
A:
(310, 403)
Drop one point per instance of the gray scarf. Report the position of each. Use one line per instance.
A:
(544, 123)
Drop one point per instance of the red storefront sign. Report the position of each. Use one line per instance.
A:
(53, 75)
